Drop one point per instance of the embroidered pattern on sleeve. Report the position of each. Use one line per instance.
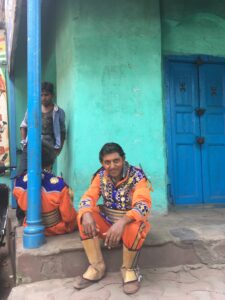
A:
(84, 203)
(141, 208)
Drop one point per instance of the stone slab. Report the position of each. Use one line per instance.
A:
(178, 283)
(179, 238)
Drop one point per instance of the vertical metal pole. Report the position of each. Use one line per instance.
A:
(34, 232)
(12, 132)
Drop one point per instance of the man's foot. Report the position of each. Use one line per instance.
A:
(82, 283)
(131, 287)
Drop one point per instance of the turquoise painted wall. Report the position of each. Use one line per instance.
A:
(48, 43)
(193, 27)
(5, 180)
(105, 58)
(108, 65)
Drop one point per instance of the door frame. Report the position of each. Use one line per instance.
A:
(167, 59)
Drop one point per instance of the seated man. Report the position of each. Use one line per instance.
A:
(58, 213)
(123, 216)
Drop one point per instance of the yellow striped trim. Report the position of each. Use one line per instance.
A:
(113, 214)
(138, 237)
(51, 218)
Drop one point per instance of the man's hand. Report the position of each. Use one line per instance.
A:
(89, 225)
(23, 144)
(57, 151)
(115, 232)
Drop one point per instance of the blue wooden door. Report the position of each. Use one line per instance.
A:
(185, 157)
(212, 123)
(196, 131)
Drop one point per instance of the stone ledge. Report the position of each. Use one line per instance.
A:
(180, 238)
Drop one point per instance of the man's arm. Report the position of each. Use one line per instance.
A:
(141, 201)
(62, 123)
(87, 203)
(20, 194)
(89, 199)
(23, 131)
(66, 208)
(62, 126)
(63, 137)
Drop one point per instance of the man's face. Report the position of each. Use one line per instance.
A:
(46, 98)
(113, 164)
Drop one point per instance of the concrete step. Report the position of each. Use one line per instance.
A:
(175, 283)
(180, 238)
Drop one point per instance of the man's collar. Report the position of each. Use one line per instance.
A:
(124, 172)
(56, 108)
(125, 169)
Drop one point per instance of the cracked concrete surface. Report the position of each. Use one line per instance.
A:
(197, 282)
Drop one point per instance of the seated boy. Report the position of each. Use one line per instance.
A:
(58, 213)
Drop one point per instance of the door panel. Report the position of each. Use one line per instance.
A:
(185, 126)
(212, 98)
(188, 185)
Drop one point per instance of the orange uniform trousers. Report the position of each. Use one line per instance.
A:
(133, 236)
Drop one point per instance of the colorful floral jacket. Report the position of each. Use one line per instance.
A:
(131, 194)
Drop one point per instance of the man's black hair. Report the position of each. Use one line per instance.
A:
(47, 87)
(111, 148)
(48, 155)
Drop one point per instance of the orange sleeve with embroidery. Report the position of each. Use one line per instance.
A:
(66, 208)
(141, 201)
(21, 197)
(90, 198)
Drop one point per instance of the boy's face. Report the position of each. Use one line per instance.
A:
(46, 98)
